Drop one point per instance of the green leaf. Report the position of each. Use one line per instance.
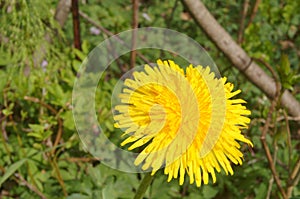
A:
(77, 196)
(85, 46)
(160, 189)
(285, 64)
(7, 112)
(109, 125)
(11, 170)
(209, 192)
(36, 127)
(36, 135)
(79, 54)
(287, 85)
(295, 79)
(37, 131)
(76, 64)
(261, 191)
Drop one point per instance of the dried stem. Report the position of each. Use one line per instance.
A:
(242, 23)
(22, 150)
(80, 159)
(58, 175)
(269, 67)
(135, 17)
(30, 186)
(289, 118)
(58, 134)
(76, 24)
(268, 153)
(254, 11)
(238, 56)
(266, 129)
(37, 100)
(91, 21)
(271, 181)
(53, 111)
(293, 178)
(57, 139)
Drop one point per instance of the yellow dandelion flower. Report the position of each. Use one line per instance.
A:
(186, 121)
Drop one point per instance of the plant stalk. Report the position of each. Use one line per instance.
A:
(148, 178)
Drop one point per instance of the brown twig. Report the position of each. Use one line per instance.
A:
(135, 18)
(268, 153)
(289, 118)
(76, 24)
(30, 186)
(254, 11)
(105, 31)
(56, 113)
(266, 129)
(36, 100)
(278, 119)
(242, 22)
(80, 159)
(22, 150)
(58, 134)
(269, 67)
(111, 49)
(271, 181)
(58, 175)
(238, 56)
(293, 178)
(91, 21)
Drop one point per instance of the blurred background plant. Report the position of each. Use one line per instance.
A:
(41, 155)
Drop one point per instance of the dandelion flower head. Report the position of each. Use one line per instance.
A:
(186, 121)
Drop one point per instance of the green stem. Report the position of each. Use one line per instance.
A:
(148, 178)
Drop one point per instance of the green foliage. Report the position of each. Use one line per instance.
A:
(288, 78)
(37, 71)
